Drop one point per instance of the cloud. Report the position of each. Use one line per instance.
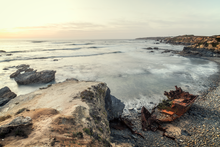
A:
(64, 26)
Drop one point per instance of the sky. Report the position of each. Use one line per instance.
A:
(107, 19)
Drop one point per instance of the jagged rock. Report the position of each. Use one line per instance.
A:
(6, 95)
(44, 76)
(21, 68)
(2, 51)
(197, 51)
(113, 106)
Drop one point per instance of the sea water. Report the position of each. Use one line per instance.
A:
(136, 76)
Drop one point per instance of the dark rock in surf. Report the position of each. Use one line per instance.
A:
(32, 77)
(2, 51)
(149, 48)
(166, 51)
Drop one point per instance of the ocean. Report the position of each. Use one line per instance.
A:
(134, 75)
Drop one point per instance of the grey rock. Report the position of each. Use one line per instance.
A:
(44, 76)
(185, 133)
(6, 95)
(113, 106)
(149, 48)
(4, 90)
(2, 51)
(22, 66)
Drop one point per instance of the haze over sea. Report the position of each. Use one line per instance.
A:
(134, 75)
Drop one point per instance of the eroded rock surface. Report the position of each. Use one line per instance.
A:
(65, 114)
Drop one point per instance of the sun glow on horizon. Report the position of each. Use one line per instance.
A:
(106, 19)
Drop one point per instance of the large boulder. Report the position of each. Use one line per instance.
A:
(32, 77)
(6, 95)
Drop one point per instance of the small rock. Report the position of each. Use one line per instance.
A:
(2, 51)
(5, 68)
(185, 133)
(134, 136)
(55, 60)
(8, 54)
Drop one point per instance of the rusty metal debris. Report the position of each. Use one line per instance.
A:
(180, 101)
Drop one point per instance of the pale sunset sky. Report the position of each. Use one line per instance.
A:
(107, 19)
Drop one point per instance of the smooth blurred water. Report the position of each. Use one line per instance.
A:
(134, 75)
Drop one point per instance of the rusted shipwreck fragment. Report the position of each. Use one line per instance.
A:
(177, 104)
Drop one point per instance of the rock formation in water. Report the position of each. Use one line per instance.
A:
(30, 76)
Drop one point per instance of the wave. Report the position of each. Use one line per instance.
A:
(43, 50)
(49, 57)
(38, 41)
(82, 44)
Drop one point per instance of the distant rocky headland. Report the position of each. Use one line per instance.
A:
(208, 46)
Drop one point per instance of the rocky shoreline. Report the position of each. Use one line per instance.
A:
(58, 105)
